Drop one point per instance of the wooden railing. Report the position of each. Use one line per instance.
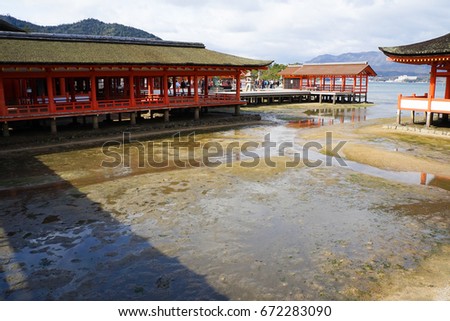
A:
(151, 100)
(113, 104)
(72, 107)
(424, 103)
(337, 88)
(217, 99)
(28, 110)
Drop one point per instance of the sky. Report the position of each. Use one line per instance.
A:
(286, 31)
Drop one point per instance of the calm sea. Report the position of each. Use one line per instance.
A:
(384, 95)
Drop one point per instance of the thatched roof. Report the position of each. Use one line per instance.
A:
(47, 49)
(434, 47)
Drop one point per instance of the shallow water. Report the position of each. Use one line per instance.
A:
(213, 232)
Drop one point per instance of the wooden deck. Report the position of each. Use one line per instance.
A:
(290, 96)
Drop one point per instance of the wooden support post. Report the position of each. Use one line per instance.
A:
(5, 129)
(399, 116)
(237, 110)
(429, 119)
(95, 122)
(133, 118)
(53, 127)
(197, 113)
(413, 114)
(166, 115)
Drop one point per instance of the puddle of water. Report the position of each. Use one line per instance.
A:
(326, 117)
(414, 178)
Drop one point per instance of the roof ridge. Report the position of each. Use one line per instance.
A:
(96, 39)
(337, 63)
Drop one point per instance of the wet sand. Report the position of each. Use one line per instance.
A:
(229, 232)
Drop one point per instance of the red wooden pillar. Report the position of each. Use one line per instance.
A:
(195, 89)
(131, 86)
(166, 89)
(432, 93)
(50, 94)
(94, 103)
(238, 85)
(432, 88)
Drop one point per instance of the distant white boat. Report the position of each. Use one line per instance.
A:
(405, 78)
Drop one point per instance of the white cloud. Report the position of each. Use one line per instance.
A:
(281, 30)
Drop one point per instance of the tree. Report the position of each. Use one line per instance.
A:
(272, 72)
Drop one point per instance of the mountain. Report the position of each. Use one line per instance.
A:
(377, 60)
(83, 27)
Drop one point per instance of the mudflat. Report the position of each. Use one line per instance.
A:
(250, 224)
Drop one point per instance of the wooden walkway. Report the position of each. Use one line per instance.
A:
(290, 96)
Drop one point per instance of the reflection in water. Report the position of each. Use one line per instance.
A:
(329, 116)
(435, 180)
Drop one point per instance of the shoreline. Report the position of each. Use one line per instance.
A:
(87, 138)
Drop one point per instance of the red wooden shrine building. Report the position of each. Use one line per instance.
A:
(436, 53)
(343, 77)
(48, 76)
